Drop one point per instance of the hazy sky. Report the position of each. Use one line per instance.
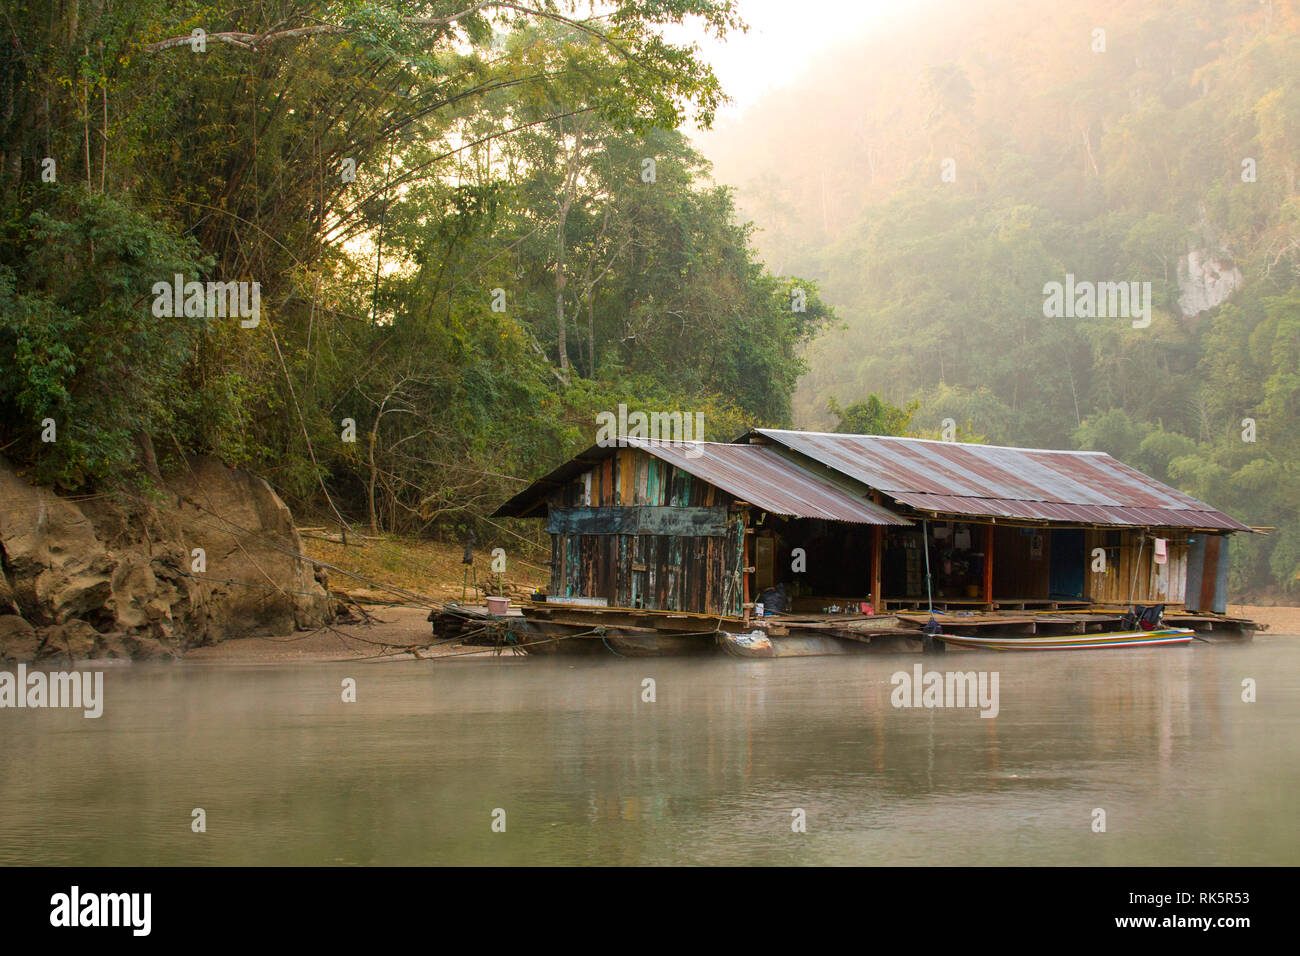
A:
(784, 38)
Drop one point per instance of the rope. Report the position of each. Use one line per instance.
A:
(548, 640)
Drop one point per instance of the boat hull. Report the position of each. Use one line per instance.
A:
(544, 639)
(761, 646)
(1073, 642)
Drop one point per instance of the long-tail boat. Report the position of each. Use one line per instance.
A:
(1072, 642)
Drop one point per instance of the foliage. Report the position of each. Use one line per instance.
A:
(1173, 149)
(875, 416)
(80, 348)
(461, 259)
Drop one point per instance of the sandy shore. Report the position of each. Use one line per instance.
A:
(1280, 619)
(397, 627)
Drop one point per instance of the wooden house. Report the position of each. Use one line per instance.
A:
(868, 525)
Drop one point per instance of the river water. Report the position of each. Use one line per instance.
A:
(582, 769)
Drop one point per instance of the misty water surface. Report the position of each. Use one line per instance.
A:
(587, 772)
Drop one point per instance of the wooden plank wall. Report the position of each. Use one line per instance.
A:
(656, 571)
(1156, 584)
(1015, 573)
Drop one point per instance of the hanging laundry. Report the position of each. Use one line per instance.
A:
(1162, 552)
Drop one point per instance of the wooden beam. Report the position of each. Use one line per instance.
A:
(745, 571)
(877, 563)
(877, 546)
(707, 522)
(988, 565)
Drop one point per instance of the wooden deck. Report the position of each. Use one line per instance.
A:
(1075, 617)
(593, 624)
(1001, 604)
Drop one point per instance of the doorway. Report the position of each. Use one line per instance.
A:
(1067, 564)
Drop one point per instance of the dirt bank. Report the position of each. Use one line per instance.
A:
(1280, 619)
(392, 630)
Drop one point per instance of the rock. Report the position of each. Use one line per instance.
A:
(18, 639)
(57, 565)
(8, 602)
(215, 556)
(148, 649)
(1204, 281)
(344, 612)
(73, 640)
(112, 647)
(250, 546)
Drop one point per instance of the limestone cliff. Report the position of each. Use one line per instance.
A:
(211, 555)
(1205, 281)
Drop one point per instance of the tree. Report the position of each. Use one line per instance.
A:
(873, 416)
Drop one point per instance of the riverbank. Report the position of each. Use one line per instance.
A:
(380, 630)
(391, 633)
(1278, 619)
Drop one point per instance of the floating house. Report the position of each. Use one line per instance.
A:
(859, 538)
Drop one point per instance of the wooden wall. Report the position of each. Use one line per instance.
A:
(633, 477)
(668, 572)
(1156, 584)
(1017, 574)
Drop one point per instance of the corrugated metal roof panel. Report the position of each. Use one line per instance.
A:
(1075, 514)
(769, 481)
(762, 476)
(996, 481)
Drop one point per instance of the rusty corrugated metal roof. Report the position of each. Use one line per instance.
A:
(770, 481)
(1082, 487)
(762, 476)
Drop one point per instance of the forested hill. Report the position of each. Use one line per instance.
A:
(472, 226)
(936, 176)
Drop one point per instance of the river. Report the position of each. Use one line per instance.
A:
(547, 761)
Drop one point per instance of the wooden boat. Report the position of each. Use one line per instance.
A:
(1073, 642)
(757, 644)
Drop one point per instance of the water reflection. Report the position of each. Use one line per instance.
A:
(709, 773)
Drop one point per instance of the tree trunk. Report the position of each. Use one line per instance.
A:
(561, 337)
(374, 477)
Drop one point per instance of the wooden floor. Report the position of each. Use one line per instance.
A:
(1081, 618)
(1001, 604)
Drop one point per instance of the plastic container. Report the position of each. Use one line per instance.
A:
(498, 606)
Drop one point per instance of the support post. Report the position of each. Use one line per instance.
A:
(988, 567)
(746, 569)
(877, 562)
